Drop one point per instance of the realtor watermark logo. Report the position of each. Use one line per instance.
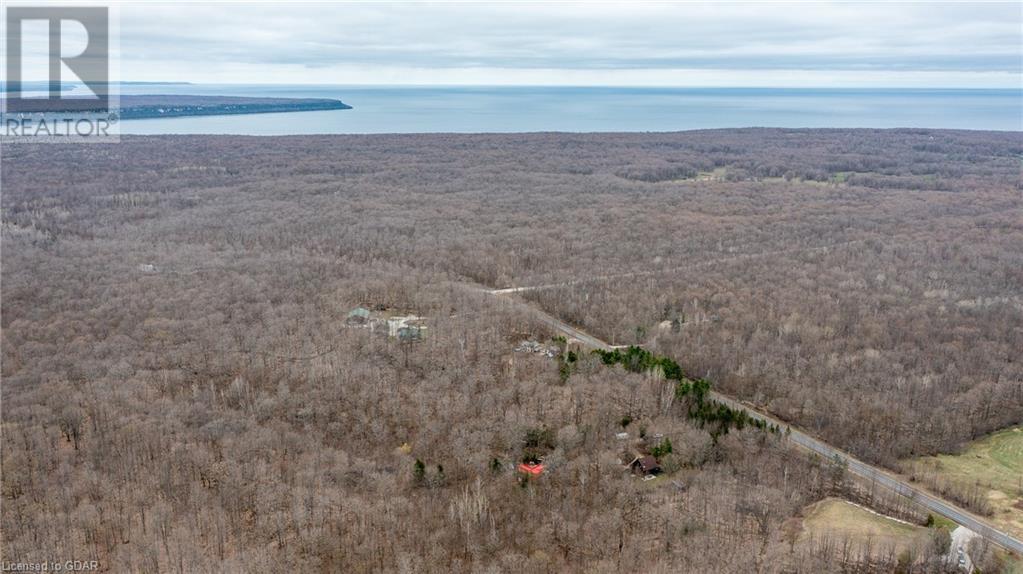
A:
(58, 85)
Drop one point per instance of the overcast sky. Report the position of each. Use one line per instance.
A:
(681, 44)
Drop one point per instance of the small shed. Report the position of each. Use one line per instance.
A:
(645, 465)
(358, 316)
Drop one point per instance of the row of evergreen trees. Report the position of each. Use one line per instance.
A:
(694, 391)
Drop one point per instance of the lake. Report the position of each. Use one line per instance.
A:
(380, 109)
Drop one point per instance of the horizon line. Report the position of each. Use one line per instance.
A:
(529, 85)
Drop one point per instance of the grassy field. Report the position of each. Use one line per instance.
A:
(840, 519)
(942, 522)
(994, 463)
(1013, 564)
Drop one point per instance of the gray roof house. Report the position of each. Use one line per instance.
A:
(358, 315)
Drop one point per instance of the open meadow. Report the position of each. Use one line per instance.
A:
(990, 468)
(840, 523)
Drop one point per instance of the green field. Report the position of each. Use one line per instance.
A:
(1013, 564)
(994, 463)
(942, 522)
(840, 519)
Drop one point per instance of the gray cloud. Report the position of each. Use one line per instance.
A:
(827, 37)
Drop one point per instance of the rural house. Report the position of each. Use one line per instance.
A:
(411, 332)
(358, 316)
(412, 326)
(645, 465)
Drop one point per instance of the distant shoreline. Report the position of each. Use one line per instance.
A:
(176, 106)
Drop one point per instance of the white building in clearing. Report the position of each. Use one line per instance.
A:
(399, 326)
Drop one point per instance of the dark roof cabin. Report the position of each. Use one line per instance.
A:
(645, 465)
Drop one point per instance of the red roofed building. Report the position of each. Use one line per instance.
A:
(531, 468)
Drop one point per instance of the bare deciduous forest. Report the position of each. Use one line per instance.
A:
(183, 390)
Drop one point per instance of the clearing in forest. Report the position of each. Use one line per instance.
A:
(994, 464)
(840, 520)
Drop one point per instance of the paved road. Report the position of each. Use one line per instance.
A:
(885, 479)
(569, 331)
(798, 437)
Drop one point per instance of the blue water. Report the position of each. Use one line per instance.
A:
(575, 109)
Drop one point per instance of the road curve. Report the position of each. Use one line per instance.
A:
(805, 441)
